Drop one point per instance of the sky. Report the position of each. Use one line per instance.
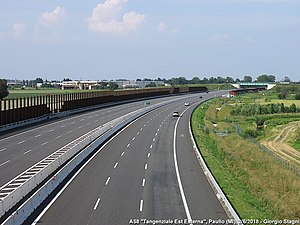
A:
(130, 39)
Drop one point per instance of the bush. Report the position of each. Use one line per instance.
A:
(250, 132)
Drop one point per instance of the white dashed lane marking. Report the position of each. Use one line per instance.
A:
(143, 182)
(141, 205)
(27, 151)
(2, 164)
(108, 179)
(3, 149)
(37, 135)
(97, 203)
(21, 142)
(115, 166)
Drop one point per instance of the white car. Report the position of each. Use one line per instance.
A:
(186, 104)
(175, 114)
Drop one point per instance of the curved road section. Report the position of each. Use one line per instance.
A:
(145, 174)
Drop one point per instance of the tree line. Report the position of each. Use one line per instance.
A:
(258, 109)
(214, 80)
(285, 92)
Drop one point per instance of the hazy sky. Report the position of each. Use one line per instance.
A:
(109, 39)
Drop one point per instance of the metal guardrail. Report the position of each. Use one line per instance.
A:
(220, 194)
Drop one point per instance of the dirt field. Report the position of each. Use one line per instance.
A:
(279, 143)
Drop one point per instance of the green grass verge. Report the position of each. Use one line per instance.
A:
(296, 144)
(257, 186)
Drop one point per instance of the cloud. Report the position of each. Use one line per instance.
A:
(220, 37)
(53, 18)
(163, 28)
(107, 17)
(18, 29)
(241, 1)
(49, 26)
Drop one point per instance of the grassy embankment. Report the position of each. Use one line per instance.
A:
(257, 186)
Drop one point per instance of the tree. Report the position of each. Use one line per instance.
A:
(266, 78)
(283, 93)
(67, 79)
(152, 84)
(195, 80)
(113, 86)
(293, 108)
(247, 79)
(39, 80)
(229, 80)
(286, 79)
(3, 89)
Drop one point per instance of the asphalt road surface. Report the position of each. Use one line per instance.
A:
(146, 173)
(21, 149)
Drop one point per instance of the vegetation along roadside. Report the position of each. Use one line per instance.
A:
(257, 185)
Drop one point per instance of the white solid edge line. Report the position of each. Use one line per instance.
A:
(186, 208)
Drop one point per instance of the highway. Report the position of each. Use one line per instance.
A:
(147, 172)
(21, 149)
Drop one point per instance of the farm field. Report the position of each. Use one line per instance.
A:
(258, 185)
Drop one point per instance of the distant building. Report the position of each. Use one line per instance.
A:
(79, 85)
(13, 82)
(92, 84)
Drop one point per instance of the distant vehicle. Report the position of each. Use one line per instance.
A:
(207, 91)
(175, 114)
(200, 96)
(186, 104)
